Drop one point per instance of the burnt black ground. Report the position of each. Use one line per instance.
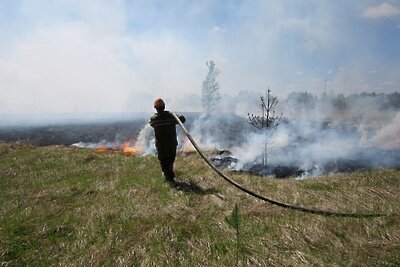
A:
(61, 134)
(74, 132)
(232, 128)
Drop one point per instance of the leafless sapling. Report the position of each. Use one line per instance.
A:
(267, 122)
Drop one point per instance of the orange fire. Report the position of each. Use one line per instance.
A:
(128, 149)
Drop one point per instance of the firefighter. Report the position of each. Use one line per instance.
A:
(166, 142)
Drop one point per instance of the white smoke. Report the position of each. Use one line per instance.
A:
(313, 139)
(146, 140)
(316, 138)
(103, 143)
(387, 137)
(249, 151)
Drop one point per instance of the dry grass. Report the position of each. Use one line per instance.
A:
(73, 207)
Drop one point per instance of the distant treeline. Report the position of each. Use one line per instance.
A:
(381, 101)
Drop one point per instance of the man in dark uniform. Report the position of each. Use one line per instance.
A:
(165, 133)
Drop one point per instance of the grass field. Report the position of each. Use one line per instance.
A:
(63, 206)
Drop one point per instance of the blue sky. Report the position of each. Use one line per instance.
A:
(113, 56)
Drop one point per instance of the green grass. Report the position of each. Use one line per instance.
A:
(73, 207)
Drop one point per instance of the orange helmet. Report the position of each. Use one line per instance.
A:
(159, 103)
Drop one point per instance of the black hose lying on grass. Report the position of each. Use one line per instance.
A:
(270, 200)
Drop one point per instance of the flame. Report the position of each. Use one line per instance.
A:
(128, 149)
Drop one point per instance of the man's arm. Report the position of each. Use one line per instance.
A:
(151, 121)
(182, 118)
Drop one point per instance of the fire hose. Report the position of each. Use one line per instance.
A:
(268, 199)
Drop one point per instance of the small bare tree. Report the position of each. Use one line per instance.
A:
(210, 89)
(267, 122)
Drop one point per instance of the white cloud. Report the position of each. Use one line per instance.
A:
(217, 29)
(382, 11)
(117, 55)
(65, 69)
(389, 83)
(70, 67)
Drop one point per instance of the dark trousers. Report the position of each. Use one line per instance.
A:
(166, 156)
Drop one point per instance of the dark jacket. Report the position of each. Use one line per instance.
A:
(164, 128)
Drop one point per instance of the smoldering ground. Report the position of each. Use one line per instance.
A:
(311, 140)
(325, 135)
(315, 137)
